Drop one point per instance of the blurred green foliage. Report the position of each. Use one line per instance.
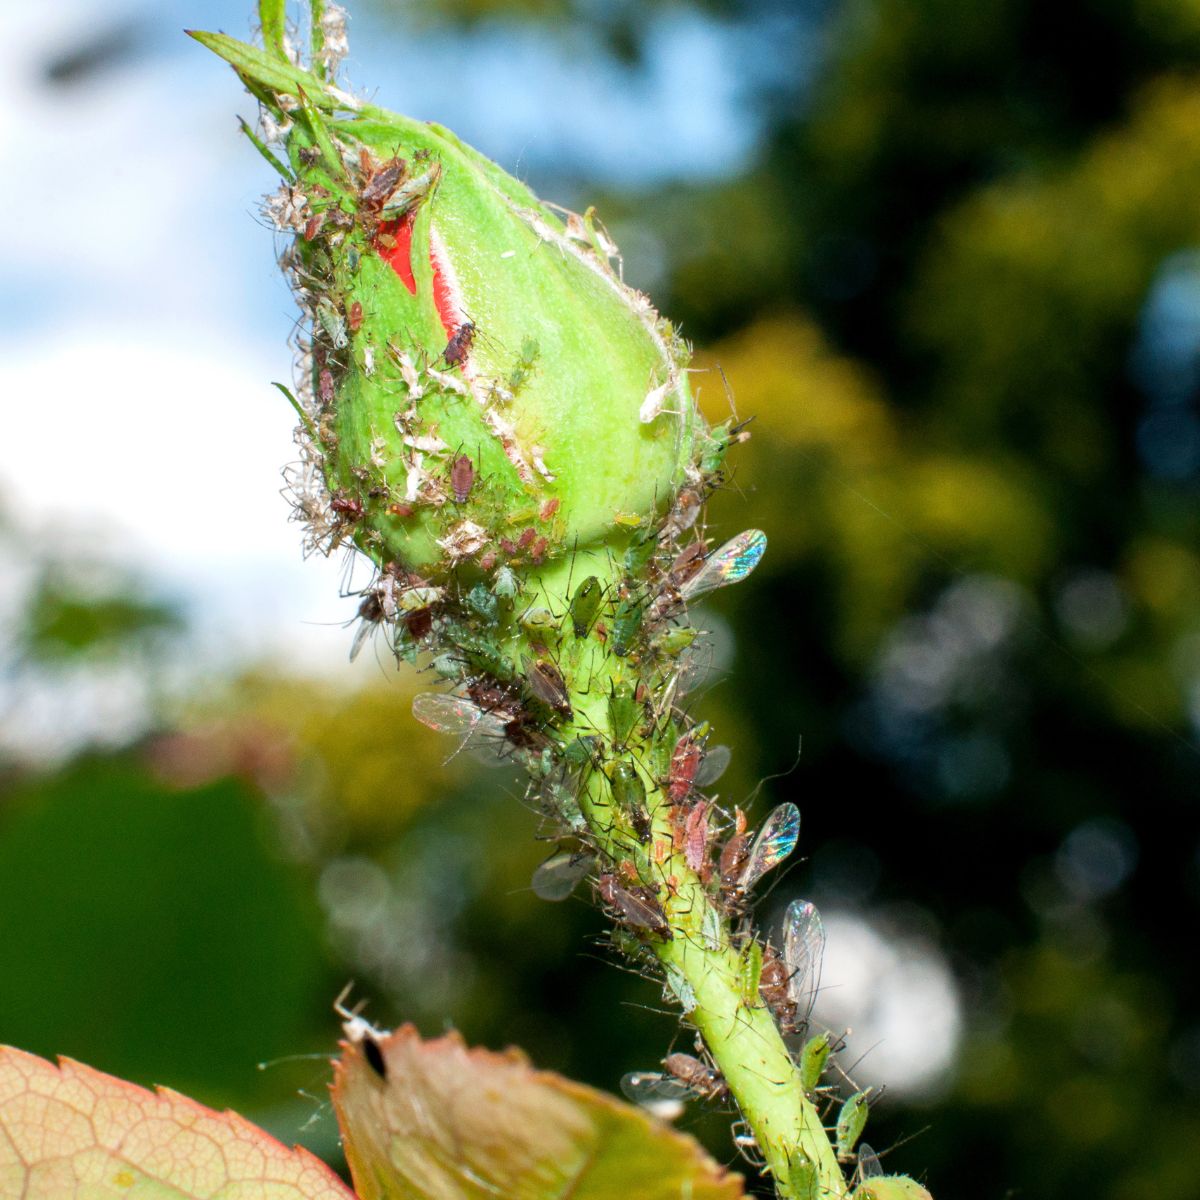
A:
(959, 286)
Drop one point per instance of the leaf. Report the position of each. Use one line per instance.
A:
(263, 68)
(448, 1122)
(69, 1133)
(272, 16)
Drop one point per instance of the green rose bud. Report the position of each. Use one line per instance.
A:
(483, 387)
(891, 1187)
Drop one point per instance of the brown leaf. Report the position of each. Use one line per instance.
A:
(69, 1132)
(446, 1123)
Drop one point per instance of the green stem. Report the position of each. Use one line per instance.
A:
(739, 1030)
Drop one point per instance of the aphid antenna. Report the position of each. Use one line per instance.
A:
(271, 1063)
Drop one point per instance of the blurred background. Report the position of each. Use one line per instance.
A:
(948, 255)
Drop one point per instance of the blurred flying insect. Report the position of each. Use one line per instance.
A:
(561, 874)
(730, 564)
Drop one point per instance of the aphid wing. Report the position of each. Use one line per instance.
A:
(644, 1087)
(714, 766)
(803, 950)
(775, 841)
(361, 634)
(730, 564)
(560, 875)
(869, 1165)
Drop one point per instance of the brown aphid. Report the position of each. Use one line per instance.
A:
(462, 478)
(685, 762)
(734, 853)
(488, 561)
(419, 624)
(401, 510)
(702, 1079)
(346, 506)
(509, 547)
(634, 910)
(549, 509)
(313, 226)
(773, 987)
(459, 345)
(547, 684)
(354, 318)
(538, 550)
(381, 183)
(526, 538)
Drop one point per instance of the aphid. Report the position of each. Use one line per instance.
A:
(355, 317)
(695, 841)
(685, 763)
(628, 790)
(505, 584)
(700, 1078)
(642, 912)
(803, 950)
(775, 841)
(813, 1057)
(540, 623)
(381, 182)
(641, 551)
(623, 713)
(313, 226)
(462, 478)
(585, 604)
(713, 766)
(549, 509)
(485, 656)
(483, 604)
(402, 200)
(773, 987)
(627, 621)
(538, 550)
(750, 974)
(733, 853)
(561, 874)
(459, 345)
(674, 641)
(325, 386)
(419, 624)
(852, 1120)
(401, 510)
(730, 564)
(415, 599)
(346, 506)
(332, 323)
(526, 538)
(547, 684)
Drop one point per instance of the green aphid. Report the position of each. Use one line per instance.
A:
(485, 656)
(448, 666)
(674, 641)
(505, 583)
(750, 973)
(585, 604)
(483, 604)
(641, 551)
(540, 623)
(582, 753)
(890, 1187)
(333, 323)
(524, 366)
(623, 714)
(627, 787)
(627, 621)
(813, 1058)
(852, 1120)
